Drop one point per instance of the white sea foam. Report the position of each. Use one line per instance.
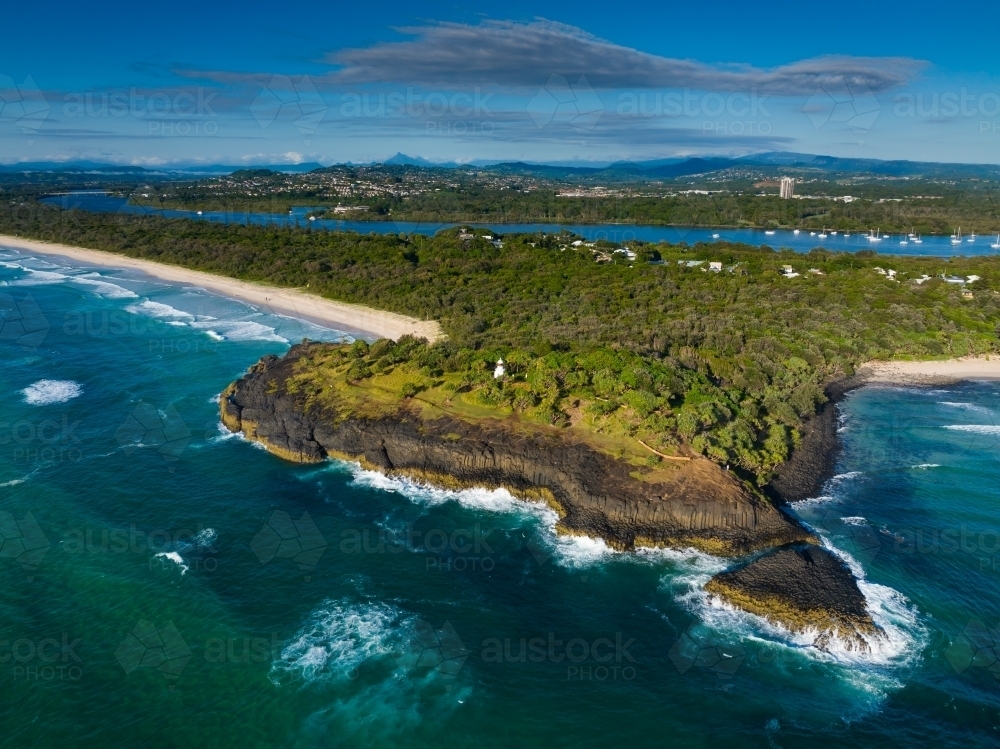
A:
(338, 637)
(489, 500)
(975, 428)
(925, 466)
(903, 636)
(814, 501)
(38, 278)
(225, 434)
(104, 288)
(830, 494)
(200, 542)
(176, 558)
(689, 570)
(95, 281)
(841, 477)
(874, 671)
(45, 392)
(205, 537)
(157, 309)
(13, 482)
(238, 330)
(966, 406)
(572, 551)
(854, 520)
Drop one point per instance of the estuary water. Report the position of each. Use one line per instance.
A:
(169, 584)
(801, 241)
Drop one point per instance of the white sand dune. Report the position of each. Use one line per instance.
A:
(291, 302)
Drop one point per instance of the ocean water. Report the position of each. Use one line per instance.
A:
(167, 584)
(801, 241)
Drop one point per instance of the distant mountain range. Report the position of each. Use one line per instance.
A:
(84, 167)
(680, 167)
(658, 168)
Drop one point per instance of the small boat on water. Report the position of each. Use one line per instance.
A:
(715, 236)
(874, 236)
(972, 238)
(823, 234)
(769, 233)
(957, 238)
(996, 245)
(795, 232)
(918, 240)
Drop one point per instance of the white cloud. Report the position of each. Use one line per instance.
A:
(505, 53)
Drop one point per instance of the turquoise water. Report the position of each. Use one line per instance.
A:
(166, 584)
(802, 241)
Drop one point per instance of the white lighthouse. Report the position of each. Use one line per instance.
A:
(499, 370)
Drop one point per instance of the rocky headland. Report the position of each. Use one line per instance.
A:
(697, 503)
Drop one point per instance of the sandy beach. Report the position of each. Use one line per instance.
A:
(291, 302)
(930, 372)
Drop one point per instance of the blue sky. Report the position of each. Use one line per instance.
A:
(249, 82)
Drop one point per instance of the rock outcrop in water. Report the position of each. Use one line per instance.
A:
(697, 505)
(804, 588)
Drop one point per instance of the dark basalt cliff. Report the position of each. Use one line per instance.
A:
(698, 505)
(813, 461)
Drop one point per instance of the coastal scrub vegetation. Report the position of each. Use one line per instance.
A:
(660, 348)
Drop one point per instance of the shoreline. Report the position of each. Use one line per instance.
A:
(814, 461)
(939, 372)
(290, 302)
